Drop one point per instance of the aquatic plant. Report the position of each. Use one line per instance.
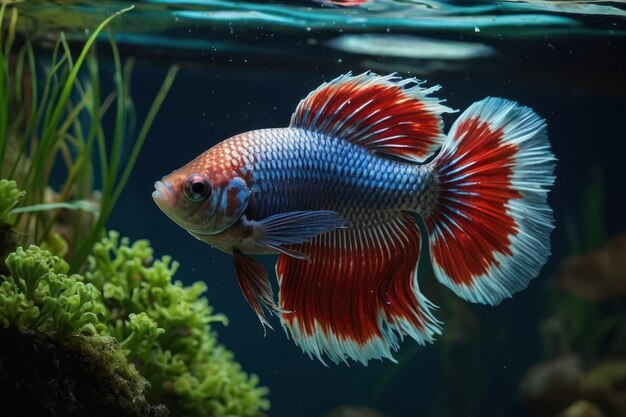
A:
(46, 313)
(10, 195)
(126, 307)
(59, 127)
(165, 329)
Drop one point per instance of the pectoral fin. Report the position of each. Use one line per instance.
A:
(293, 228)
(255, 285)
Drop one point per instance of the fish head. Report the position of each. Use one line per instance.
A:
(202, 200)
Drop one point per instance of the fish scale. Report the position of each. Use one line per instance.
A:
(322, 172)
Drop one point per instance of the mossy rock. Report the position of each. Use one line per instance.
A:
(82, 376)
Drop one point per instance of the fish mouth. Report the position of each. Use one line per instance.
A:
(164, 194)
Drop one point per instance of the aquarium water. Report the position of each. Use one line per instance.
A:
(245, 65)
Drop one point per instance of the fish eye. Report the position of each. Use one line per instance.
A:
(197, 188)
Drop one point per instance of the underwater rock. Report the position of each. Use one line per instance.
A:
(41, 376)
(605, 385)
(561, 388)
(582, 408)
(353, 411)
(597, 275)
(550, 387)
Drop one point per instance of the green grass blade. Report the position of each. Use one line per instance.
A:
(3, 7)
(17, 91)
(5, 54)
(118, 130)
(4, 106)
(32, 111)
(67, 88)
(70, 205)
(145, 128)
(10, 33)
(50, 136)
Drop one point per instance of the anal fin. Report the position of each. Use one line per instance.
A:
(358, 295)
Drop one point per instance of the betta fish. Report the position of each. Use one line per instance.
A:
(337, 194)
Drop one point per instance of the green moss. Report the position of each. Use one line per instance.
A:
(165, 329)
(126, 309)
(10, 195)
(38, 300)
(38, 295)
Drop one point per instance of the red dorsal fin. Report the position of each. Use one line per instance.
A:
(385, 114)
(358, 296)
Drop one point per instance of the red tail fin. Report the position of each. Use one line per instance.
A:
(490, 227)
